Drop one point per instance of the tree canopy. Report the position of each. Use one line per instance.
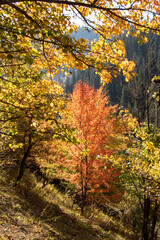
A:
(40, 33)
(99, 133)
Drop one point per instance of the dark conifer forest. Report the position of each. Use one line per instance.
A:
(130, 95)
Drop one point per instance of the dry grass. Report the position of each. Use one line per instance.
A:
(29, 211)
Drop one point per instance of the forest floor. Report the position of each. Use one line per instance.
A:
(32, 212)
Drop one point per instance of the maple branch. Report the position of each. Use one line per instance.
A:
(12, 65)
(22, 12)
(13, 51)
(87, 5)
(31, 37)
(87, 22)
(9, 119)
(11, 104)
(80, 4)
(91, 5)
(130, 21)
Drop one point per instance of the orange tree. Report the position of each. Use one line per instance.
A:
(97, 130)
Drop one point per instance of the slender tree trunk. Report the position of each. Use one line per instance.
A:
(82, 191)
(154, 221)
(136, 100)
(146, 213)
(83, 203)
(23, 161)
(157, 109)
(147, 90)
(84, 187)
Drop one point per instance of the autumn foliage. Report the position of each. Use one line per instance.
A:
(29, 103)
(38, 40)
(95, 129)
(42, 34)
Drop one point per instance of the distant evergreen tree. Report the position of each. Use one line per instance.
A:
(68, 86)
(131, 95)
(87, 75)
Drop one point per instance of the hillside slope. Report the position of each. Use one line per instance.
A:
(29, 211)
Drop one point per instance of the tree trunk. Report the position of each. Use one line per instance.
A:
(147, 90)
(136, 100)
(23, 161)
(82, 191)
(146, 213)
(154, 221)
(83, 197)
(84, 187)
(82, 205)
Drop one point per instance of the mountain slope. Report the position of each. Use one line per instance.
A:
(29, 211)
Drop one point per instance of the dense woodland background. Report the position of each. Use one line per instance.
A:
(131, 96)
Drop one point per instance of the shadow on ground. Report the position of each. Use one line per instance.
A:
(27, 214)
